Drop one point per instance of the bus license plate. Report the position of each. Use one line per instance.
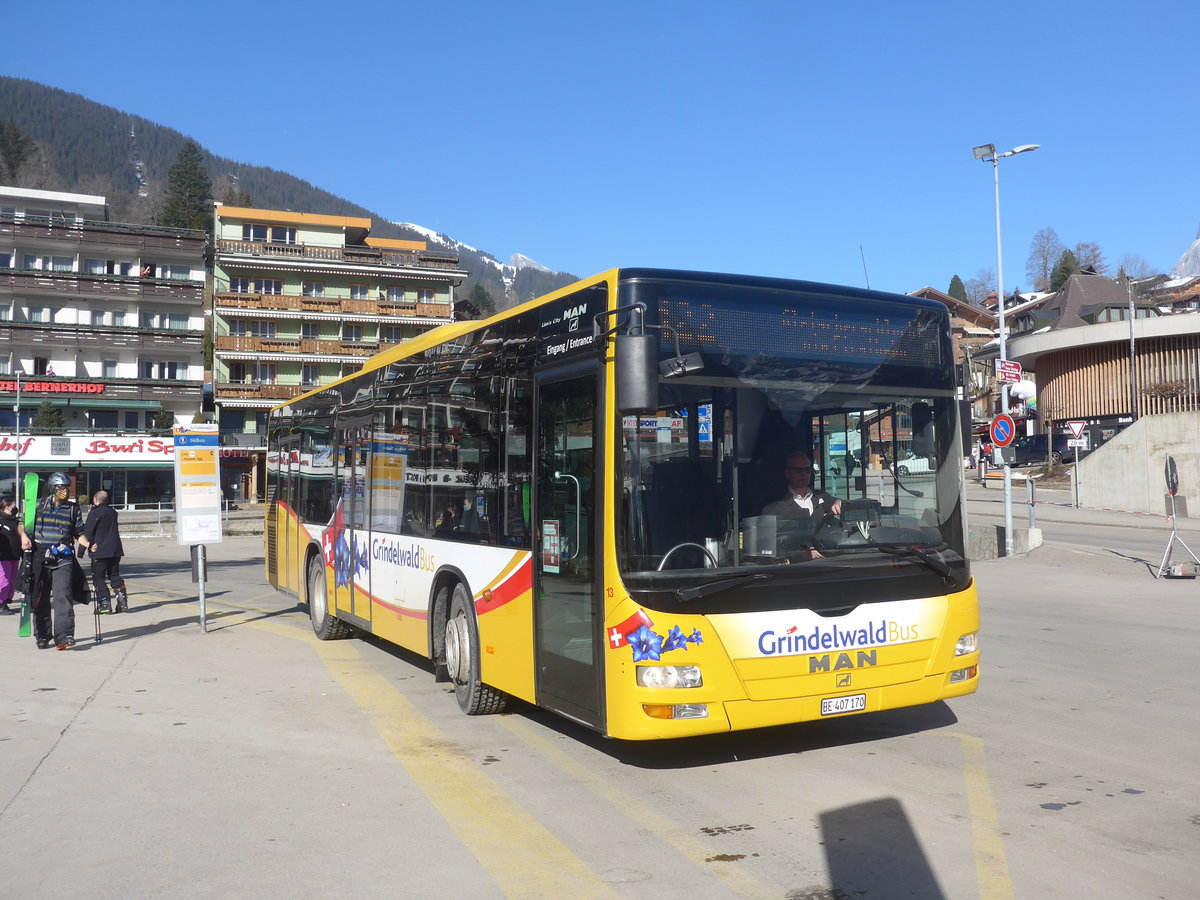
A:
(832, 706)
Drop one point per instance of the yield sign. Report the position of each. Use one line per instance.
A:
(1076, 428)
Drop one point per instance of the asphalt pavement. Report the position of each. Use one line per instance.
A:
(171, 761)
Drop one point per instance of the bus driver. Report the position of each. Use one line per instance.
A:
(802, 502)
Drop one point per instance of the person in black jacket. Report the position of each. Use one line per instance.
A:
(10, 552)
(104, 539)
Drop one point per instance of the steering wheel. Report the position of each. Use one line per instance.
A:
(703, 550)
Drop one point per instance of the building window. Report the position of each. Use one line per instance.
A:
(110, 368)
(359, 292)
(41, 366)
(310, 331)
(160, 370)
(39, 314)
(252, 373)
(118, 318)
(239, 285)
(272, 234)
(104, 418)
(268, 286)
(4, 366)
(351, 368)
(393, 334)
(352, 333)
(395, 295)
(131, 421)
(425, 295)
(309, 374)
(177, 322)
(262, 328)
(314, 289)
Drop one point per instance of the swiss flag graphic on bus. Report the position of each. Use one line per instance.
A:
(619, 635)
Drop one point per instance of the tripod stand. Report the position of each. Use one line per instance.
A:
(1175, 539)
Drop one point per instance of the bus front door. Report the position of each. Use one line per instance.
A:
(567, 617)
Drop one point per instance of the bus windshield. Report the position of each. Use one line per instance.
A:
(802, 464)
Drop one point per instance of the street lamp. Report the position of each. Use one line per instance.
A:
(987, 153)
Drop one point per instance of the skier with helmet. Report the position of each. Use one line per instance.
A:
(57, 528)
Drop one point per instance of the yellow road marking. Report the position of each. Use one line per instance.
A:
(991, 864)
(736, 879)
(518, 852)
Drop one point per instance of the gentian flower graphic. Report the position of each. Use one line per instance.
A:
(696, 637)
(675, 640)
(646, 644)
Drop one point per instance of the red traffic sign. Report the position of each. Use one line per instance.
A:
(1077, 428)
(1008, 371)
(1002, 430)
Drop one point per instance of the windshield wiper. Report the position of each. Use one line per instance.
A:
(934, 562)
(687, 595)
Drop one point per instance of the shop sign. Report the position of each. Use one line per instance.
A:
(54, 387)
(88, 448)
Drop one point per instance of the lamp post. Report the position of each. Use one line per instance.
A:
(987, 153)
(17, 437)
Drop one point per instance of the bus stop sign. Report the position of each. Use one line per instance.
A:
(1002, 430)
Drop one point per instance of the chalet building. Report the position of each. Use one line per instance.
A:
(973, 331)
(106, 322)
(1079, 343)
(301, 300)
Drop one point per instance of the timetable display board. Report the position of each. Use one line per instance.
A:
(197, 484)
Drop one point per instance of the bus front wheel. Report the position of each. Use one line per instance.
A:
(462, 659)
(327, 627)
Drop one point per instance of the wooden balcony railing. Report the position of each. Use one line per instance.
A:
(422, 259)
(333, 305)
(259, 391)
(21, 280)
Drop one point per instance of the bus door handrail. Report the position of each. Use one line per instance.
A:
(578, 509)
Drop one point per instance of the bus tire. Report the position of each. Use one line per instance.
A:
(462, 659)
(326, 627)
(439, 611)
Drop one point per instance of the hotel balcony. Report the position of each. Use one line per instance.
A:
(351, 255)
(24, 281)
(99, 336)
(316, 347)
(112, 234)
(245, 391)
(332, 305)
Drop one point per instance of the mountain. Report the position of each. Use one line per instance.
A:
(1189, 264)
(86, 147)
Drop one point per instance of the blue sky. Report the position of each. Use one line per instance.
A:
(772, 138)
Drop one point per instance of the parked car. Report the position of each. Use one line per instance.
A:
(912, 463)
(1031, 450)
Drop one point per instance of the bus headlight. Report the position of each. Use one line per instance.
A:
(669, 676)
(968, 643)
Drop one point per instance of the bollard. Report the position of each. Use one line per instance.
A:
(1031, 485)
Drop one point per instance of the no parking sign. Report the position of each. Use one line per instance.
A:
(1002, 430)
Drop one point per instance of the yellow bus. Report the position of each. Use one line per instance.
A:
(579, 503)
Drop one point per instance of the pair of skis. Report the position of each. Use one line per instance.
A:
(29, 511)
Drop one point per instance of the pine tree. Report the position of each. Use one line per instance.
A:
(1066, 266)
(188, 203)
(48, 418)
(15, 148)
(957, 289)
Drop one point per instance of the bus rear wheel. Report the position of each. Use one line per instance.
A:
(326, 627)
(462, 659)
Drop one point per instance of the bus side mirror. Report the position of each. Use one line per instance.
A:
(637, 372)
